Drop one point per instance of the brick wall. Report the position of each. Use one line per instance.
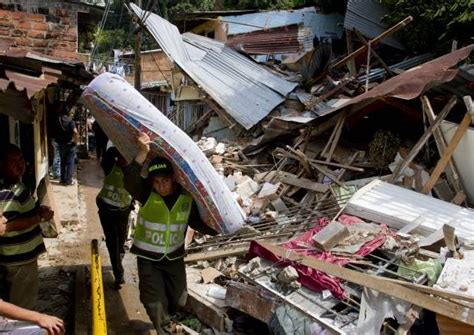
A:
(47, 27)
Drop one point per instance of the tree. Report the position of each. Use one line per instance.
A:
(436, 23)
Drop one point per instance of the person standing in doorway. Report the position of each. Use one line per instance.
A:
(114, 203)
(167, 210)
(101, 140)
(21, 241)
(67, 137)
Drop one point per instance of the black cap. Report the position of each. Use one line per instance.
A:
(160, 167)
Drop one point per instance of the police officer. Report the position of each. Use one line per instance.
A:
(167, 209)
(114, 203)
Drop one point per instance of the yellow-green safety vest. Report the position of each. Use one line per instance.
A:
(159, 231)
(113, 192)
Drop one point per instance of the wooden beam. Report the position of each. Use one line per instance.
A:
(350, 49)
(452, 174)
(246, 298)
(421, 142)
(308, 184)
(462, 128)
(386, 33)
(376, 55)
(443, 307)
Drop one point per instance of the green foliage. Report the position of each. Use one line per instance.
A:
(383, 148)
(435, 22)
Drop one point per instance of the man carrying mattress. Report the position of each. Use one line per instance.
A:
(167, 209)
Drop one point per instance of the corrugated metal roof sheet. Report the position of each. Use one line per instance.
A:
(322, 25)
(246, 90)
(366, 17)
(398, 207)
(379, 73)
(411, 83)
(283, 40)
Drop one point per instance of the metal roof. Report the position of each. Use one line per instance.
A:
(24, 73)
(322, 25)
(366, 17)
(398, 207)
(282, 40)
(411, 83)
(245, 90)
(379, 73)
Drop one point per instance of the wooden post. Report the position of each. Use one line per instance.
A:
(453, 176)
(137, 50)
(350, 48)
(462, 128)
(421, 142)
(386, 33)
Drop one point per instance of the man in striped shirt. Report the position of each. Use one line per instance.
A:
(21, 241)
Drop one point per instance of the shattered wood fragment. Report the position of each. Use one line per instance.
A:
(210, 274)
(247, 299)
(330, 236)
(435, 304)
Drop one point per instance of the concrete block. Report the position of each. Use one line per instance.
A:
(270, 191)
(330, 235)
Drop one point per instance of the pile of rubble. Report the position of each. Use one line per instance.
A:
(355, 185)
(317, 200)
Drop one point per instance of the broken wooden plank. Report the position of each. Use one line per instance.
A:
(444, 307)
(448, 326)
(421, 142)
(463, 126)
(246, 298)
(307, 184)
(216, 254)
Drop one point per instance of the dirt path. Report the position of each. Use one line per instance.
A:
(125, 314)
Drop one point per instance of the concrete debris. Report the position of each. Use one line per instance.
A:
(330, 235)
(207, 145)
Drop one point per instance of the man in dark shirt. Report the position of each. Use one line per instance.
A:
(167, 209)
(66, 137)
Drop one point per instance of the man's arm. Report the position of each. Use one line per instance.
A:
(25, 221)
(52, 324)
(133, 182)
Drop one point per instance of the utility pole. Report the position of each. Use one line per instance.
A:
(138, 44)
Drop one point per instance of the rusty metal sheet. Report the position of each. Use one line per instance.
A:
(281, 40)
(29, 83)
(412, 83)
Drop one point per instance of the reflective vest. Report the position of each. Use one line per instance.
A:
(159, 231)
(113, 192)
